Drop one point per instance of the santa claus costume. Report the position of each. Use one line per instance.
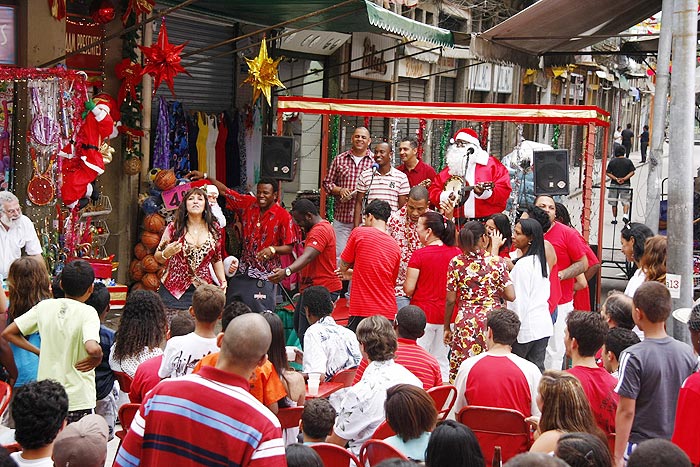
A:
(84, 162)
(467, 160)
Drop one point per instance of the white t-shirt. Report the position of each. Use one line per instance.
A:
(182, 353)
(22, 462)
(531, 295)
(635, 281)
(21, 235)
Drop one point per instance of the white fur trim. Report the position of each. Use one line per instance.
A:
(94, 167)
(100, 111)
(227, 264)
(468, 138)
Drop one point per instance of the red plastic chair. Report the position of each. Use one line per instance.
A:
(335, 456)
(127, 412)
(124, 381)
(383, 431)
(444, 398)
(497, 427)
(345, 376)
(289, 417)
(5, 396)
(373, 451)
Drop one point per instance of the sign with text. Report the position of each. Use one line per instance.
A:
(372, 57)
(8, 35)
(412, 68)
(480, 78)
(173, 197)
(673, 284)
(79, 33)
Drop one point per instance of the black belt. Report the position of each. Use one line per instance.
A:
(89, 146)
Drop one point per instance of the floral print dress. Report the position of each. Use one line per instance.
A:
(478, 278)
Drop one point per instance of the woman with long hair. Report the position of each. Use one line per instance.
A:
(141, 332)
(411, 413)
(530, 276)
(632, 239)
(477, 282)
(426, 280)
(292, 381)
(499, 235)
(653, 261)
(565, 409)
(28, 284)
(190, 248)
(453, 445)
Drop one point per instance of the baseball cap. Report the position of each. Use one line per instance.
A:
(82, 444)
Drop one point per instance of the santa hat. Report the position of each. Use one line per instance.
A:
(110, 104)
(468, 135)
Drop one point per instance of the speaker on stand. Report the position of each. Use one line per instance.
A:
(551, 171)
(277, 158)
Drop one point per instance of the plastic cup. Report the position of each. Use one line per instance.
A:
(291, 353)
(314, 382)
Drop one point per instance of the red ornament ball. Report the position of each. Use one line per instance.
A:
(102, 11)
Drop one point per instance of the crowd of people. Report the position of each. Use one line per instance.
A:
(441, 289)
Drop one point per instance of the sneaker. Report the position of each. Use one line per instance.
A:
(614, 222)
(625, 221)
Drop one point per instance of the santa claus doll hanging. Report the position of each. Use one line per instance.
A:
(88, 152)
(477, 184)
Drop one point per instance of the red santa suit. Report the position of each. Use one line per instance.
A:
(480, 168)
(84, 162)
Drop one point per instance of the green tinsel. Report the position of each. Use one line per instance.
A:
(446, 132)
(335, 125)
(131, 109)
(555, 137)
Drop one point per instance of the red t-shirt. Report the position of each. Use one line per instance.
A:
(321, 271)
(599, 386)
(419, 173)
(432, 262)
(686, 434)
(415, 359)
(375, 257)
(145, 379)
(569, 249)
(582, 298)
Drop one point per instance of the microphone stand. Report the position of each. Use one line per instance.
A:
(366, 196)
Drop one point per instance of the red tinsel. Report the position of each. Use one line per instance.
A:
(420, 137)
(15, 74)
(484, 136)
(130, 74)
(163, 60)
(366, 122)
(137, 7)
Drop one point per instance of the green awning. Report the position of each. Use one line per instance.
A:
(341, 16)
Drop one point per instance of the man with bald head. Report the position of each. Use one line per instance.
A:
(210, 417)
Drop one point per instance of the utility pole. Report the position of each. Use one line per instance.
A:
(680, 192)
(658, 127)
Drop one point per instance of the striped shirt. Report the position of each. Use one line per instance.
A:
(415, 359)
(344, 173)
(384, 187)
(208, 418)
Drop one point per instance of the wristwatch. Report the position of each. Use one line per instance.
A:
(288, 272)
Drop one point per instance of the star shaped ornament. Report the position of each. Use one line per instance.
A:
(262, 74)
(163, 60)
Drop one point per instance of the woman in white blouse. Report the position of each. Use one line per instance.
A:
(632, 237)
(530, 278)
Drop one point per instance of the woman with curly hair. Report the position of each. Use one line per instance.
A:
(632, 239)
(481, 282)
(653, 262)
(191, 251)
(565, 409)
(142, 329)
(28, 284)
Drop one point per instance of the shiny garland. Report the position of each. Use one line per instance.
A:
(330, 200)
(484, 136)
(518, 179)
(366, 122)
(420, 137)
(395, 132)
(446, 132)
(555, 137)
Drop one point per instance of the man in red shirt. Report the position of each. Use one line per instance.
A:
(317, 264)
(269, 232)
(415, 169)
(371, 259)
(585, 334)
(409, 325)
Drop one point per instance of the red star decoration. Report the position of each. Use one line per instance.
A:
(163, 60)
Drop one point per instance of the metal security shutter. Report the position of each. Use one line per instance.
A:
(410, 90)
(211, 87)
(445, 89)
(444, 92)
(366, 90)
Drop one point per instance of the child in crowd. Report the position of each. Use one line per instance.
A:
(82, 444)
(184, 352)
(104, 376)
(39, 409)
(317, 420)
(70, 336)
(651, 374)
(617, 340)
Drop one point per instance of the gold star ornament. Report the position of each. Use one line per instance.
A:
(262, 74)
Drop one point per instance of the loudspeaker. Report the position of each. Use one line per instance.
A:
(551, 170)
(277, 159)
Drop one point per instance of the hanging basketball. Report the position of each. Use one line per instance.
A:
(150, 240)
(136, 270)
(150, 264)
(154, 223)
(165, 180)
(150, 281)
(140, 250)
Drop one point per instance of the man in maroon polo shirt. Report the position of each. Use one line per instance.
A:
(415, 169)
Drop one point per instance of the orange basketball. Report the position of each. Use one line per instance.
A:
(165, 180)
(150, 264)
(154, 223)
(140, 250)
(150, 240)
(160, 272)
(137, 286)
(136, 270)
(150, 281)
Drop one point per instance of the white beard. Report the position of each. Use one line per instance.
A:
(456, 159)
(8, 221)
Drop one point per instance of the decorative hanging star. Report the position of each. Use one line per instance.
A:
(262, 74)
(163, 60)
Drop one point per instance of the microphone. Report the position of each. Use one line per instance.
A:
(375, 168)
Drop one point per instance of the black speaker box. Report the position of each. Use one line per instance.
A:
(551, 170)
(277, 159)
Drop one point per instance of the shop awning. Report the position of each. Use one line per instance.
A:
(346, 16)
(559, 27)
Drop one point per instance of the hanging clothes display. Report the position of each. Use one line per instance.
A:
(221, 148)
(161, 145)
(212, 135)
(180, 139)
(192, 135)
(202, 141)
